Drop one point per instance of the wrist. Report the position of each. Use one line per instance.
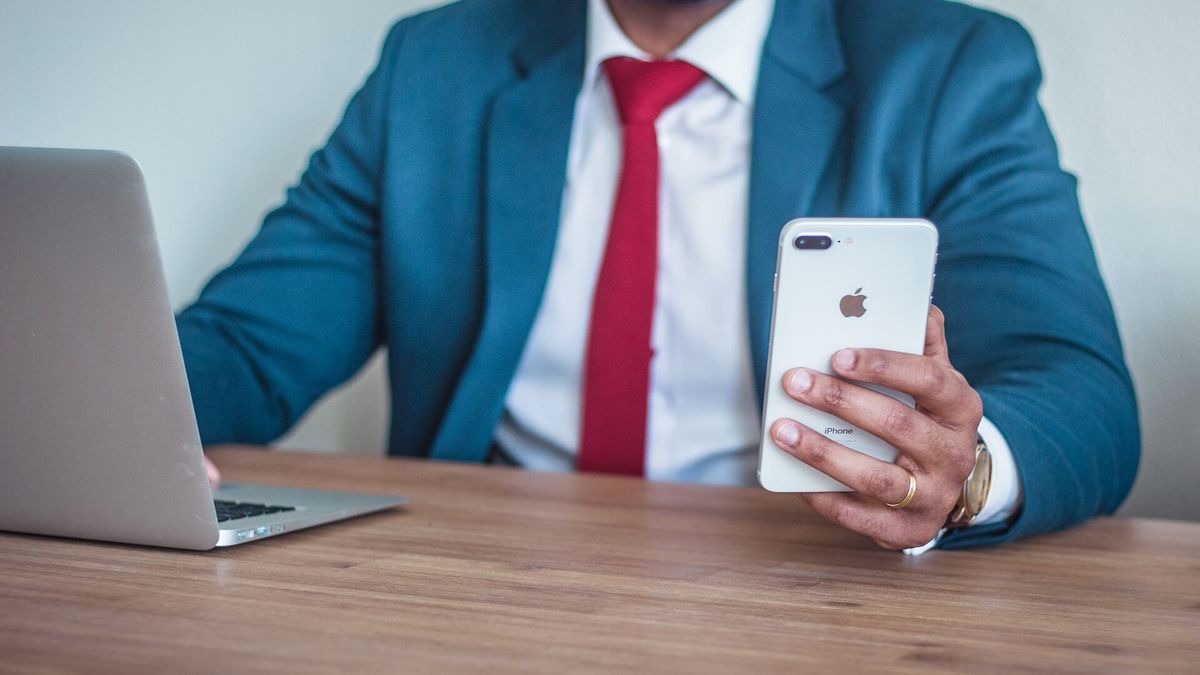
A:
(971, 501)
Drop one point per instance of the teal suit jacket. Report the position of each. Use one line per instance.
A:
(427, 222)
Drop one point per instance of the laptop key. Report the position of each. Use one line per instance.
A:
(229, 510)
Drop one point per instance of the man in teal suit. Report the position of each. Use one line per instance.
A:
(560, 218)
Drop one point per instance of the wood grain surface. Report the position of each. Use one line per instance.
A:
(503, 570)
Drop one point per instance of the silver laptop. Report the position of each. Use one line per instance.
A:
(98, 437)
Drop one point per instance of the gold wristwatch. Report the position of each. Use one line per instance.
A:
(974, 490)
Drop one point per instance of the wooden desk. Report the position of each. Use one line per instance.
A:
(500, 569)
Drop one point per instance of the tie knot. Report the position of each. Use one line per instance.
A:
(643, 89)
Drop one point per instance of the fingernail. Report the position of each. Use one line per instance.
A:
(787, 434)
(845, 359)
(801, 381)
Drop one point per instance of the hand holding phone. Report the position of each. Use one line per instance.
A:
(865, 393)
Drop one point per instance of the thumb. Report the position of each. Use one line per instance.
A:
(935, 335)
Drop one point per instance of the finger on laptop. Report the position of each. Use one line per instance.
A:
(214, 476)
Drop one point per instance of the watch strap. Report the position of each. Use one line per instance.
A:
(970, 503)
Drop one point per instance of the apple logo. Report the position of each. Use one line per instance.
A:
(852, 305)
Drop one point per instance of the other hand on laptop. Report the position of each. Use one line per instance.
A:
(214, 476)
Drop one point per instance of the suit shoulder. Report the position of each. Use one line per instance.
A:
(472, 23)
(924, 38)
(893, 28)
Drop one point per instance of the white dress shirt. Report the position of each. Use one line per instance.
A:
(704, 417)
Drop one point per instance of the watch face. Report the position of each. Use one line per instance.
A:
(979, 483)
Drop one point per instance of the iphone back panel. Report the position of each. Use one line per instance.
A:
(841, 283)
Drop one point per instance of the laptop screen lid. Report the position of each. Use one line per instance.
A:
(98, 437)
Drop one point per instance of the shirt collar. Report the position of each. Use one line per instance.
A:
(743, 23)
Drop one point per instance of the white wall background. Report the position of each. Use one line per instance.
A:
(222, 101)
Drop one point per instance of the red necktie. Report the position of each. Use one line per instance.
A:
(616, 381)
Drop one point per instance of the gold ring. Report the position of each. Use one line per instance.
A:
(912, 491)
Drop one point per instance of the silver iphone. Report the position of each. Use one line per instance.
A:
(841, 283)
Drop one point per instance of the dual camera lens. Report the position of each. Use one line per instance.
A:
(812, 242)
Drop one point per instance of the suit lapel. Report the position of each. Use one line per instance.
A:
(796, 127)
(527, 142)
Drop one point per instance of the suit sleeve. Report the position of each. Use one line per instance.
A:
(1029, 321)
(297, 312)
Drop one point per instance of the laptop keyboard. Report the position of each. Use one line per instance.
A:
(227, 510)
